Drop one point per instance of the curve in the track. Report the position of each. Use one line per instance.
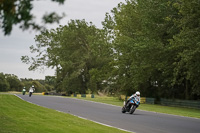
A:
(139, 122)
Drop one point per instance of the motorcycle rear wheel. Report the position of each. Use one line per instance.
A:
(123, 110)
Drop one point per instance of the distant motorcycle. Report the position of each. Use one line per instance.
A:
(30, 94)
(131, 106)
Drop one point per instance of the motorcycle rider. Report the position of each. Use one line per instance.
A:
(24, 91)
(31, 90)
(136, 95)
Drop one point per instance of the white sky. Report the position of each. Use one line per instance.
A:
(17, 44)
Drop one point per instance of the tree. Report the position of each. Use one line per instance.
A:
(141, 32)
(14, 82)
(185, 46)
(13, 12)
(136, 47)
(4, 85)
(156, 44)
(38, 86)
(50, 80)
(76, 50)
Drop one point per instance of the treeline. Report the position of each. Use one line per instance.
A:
(10, 82)
(148, 45)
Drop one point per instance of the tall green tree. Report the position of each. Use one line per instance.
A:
(156, 44)
(77, 50)
(185, 47)
(141, 34)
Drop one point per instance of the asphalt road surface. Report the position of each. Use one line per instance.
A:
(139, 122)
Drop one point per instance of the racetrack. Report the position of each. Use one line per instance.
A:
(139, 122)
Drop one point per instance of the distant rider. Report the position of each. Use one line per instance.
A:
(31, 90)
(136, 96)
(24, 91)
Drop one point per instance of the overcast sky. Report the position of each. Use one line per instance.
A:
(17, 44)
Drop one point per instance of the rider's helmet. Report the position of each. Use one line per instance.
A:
(32, 86)
(137, 93)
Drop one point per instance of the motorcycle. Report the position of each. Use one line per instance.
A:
(131, 105)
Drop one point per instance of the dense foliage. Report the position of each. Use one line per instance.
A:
(13, 12)
(80, 53)
(157, 43)
(10, 82)
(145, 45)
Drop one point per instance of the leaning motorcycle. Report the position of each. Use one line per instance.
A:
(131, 105)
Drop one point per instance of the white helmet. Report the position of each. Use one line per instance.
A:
(137, 93)
(33, 86)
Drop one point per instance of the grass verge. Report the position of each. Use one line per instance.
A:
(181, 111)
(18, 116)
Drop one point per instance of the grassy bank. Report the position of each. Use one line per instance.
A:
(181, 111)
(18, 116)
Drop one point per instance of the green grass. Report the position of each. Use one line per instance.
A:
(104, 99)
(181, 111)
(18, 116)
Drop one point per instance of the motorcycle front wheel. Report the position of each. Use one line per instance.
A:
(132, 109)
